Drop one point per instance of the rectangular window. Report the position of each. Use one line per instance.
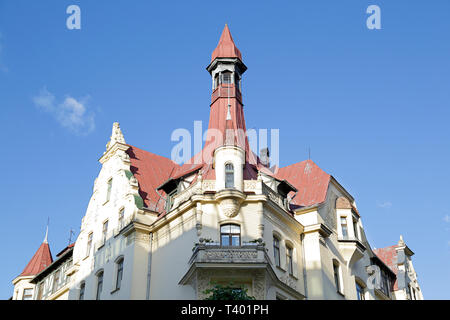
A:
(89, 244)
(108, 192)
(121, 215)
(119, 273)
(230, 235)
(360, 292)
(56, 281)
(105, 231)
(41, 291)
(355, 228)
(344, 227)
(27, 294)
(337, 281)
(289, 260)
(276, 251)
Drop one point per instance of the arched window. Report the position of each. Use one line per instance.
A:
(82, 288)
(99, 284)
(119, 276)
(229, 175)
(230, 235)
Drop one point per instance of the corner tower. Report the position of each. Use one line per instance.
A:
(226, 136)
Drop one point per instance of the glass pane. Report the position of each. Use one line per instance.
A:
(235, 228)
(225, 240)
(225, 228)
(235, 240)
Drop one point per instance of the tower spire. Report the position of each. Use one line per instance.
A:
(46, 232)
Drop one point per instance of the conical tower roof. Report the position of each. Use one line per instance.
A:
(226, 47)
(41, 259)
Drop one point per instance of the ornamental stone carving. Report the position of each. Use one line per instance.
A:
(230, 202)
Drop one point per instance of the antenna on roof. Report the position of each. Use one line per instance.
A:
(309, 153)
(70, 235)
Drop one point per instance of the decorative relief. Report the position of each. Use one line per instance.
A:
(249, 185)
(230, 207)
(289, 281)
(228, 255)
(208, 185)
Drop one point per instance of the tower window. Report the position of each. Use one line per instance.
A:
(230, 235)
(229, 175)
(226, 77)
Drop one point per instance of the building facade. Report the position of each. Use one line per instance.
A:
(156, 230)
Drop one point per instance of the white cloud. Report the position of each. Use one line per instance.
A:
(71, 113)
(385, 205)
(447, 218)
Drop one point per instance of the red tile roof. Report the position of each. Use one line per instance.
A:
(151, 171)
(41, 259)
(389, 257)
(226, 47)
(310, 181)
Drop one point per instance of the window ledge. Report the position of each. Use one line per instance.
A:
(280, 268)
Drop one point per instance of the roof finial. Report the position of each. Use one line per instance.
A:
(46, 231)
(116, 136)
(401, 242)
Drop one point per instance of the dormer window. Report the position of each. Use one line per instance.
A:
(229, 175)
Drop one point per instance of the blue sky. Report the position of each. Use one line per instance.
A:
(373, 106)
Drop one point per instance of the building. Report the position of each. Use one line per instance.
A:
(156, 230)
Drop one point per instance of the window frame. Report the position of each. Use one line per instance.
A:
(89, 243)
(230, 235)
(276, 250)
(119, 271)
(27, 296)
(229, 173)
(344, 223)
(100, 279)
(289, 259)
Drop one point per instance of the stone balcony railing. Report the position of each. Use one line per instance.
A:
(253, 253)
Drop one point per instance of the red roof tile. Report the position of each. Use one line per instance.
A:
(226, 47)
(41, 259)
(310, 181)
(389, 257)
(151, 171)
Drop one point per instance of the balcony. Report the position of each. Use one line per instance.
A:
(226, 90)
(214, 253)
